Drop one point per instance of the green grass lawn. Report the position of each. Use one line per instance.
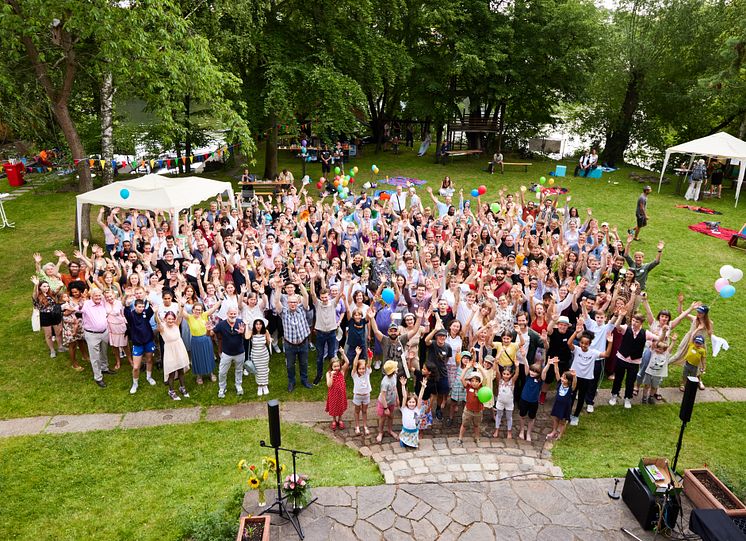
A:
(611, 440)
(147, 483)
(34, 384)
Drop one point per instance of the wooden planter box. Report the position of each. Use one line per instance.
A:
(706, 491)
(262, 520)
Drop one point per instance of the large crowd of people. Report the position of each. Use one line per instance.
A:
(421, 301)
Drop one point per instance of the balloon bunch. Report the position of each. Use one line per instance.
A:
(476, 192)
(728, 274)
(543, 180)
(374, 168)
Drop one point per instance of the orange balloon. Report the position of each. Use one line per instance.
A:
(336, 183)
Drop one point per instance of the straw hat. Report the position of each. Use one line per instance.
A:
(389, 367)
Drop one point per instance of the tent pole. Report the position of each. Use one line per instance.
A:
(663, 170)
(741, 171)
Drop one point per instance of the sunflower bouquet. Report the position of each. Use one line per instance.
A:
(261, 477)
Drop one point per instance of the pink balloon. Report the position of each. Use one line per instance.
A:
(720, 283)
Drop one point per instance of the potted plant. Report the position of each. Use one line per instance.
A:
(261, 477)
(297, 489)
(253, 528)
(706, 491)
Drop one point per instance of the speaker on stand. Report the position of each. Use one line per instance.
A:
(279, 507)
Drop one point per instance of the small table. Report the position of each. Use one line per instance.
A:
(3, 217)
(259, 187)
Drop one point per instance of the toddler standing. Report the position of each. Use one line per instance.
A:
(409, 437)
(472, 382)
(505, 401)
(361, 389)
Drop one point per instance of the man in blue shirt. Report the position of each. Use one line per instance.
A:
(231, 330)
(141, 333)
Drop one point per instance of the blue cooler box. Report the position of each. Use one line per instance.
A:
(560, 171)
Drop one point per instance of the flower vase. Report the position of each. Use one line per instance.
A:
(261, 498)
(299, 501)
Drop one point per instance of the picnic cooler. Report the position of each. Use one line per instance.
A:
(15, 173)
(658, 475)
(560, 171)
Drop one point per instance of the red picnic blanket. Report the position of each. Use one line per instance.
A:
(722, 233)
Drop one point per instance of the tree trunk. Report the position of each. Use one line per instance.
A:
(107, 127)
(85, 182)
(438, 141)
(501, 125)
(618, 136)
(742, 128)
(475, 118)
(188, 134)
(270, 154)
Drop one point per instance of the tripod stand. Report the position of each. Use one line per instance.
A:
(279, 507)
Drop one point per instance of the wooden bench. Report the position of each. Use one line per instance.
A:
(457, 153)
(524, 165)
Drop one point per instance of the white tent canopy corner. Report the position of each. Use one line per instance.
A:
(153, 192)
(717, 145)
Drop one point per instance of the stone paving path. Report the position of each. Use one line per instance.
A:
(292, 412)
(31, 184)
(577, 509)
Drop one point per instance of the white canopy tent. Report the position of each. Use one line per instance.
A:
(153, 192)
(720, 145)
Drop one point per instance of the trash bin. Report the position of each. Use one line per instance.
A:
(15, 173)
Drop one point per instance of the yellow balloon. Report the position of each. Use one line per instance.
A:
(345, 182)
(551, 181)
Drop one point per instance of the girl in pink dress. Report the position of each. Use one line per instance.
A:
(117, 325)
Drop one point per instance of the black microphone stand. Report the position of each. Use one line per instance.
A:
(279, 507)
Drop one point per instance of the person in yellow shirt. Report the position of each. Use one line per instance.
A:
(695, 361)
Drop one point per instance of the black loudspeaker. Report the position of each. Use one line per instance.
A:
(639, 499)
(687, 403)
(273, 414)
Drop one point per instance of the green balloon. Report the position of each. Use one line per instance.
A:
(484, 394)
(337, 170)
(495, 207)
(543, 180)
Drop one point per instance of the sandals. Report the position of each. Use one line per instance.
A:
(681, 388)
(341, 425)
(334, 425)
(635, 392)
(658, 396)
(367, 432)
(379, 438)
(357, 430)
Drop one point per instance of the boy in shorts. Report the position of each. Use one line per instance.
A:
(472, 379)
(141, 333)
(529, 402)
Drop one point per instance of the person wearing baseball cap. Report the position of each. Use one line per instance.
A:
(695, 360)
(438, 353)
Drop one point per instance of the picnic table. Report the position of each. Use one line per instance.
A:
(457, 153)
(251, 188)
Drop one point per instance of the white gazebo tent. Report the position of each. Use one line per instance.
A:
(153, 192)
(720, 145)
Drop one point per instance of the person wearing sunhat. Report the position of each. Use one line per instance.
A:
(387, 402)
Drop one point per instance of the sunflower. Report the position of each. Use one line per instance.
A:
(265, 475)
(272, 463)
(241, 464)
(253, 482)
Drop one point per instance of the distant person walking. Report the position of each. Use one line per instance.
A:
(699, 173)
(641, 211)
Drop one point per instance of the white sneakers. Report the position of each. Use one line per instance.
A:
(262, 390)
(589, 408)
(627, 402)
(52, 353)
(239, 391)
(150, 380)
(133, 389)
(221, 393)
(574, 420)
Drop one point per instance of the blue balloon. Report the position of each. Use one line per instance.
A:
(475, 193)
(728, 291)
(124, 192)
(387, 295)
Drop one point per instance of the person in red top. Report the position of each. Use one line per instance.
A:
(336, 396)
(473, 409)
(500, 285)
